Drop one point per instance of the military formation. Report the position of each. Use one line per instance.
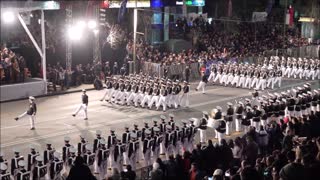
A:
(267, 74)
(161, 137)
(145, 91)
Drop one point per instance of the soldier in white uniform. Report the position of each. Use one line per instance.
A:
(202, 83)
(163, 98)
(184, 99)
(107, 95)
(155, 96)
(31, 112)
(83, 106)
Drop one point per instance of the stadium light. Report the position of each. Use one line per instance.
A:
(8, 17)
(92, 24)
(95, 31)
(81, 24)
(74, 33)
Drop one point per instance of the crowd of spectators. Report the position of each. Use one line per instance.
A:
(12, 67)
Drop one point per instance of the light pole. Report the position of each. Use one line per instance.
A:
(135, 24)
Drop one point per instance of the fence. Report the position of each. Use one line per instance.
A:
(304, 51)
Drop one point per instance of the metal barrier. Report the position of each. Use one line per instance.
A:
(303, 51)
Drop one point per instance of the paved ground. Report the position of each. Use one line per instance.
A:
(54, 120)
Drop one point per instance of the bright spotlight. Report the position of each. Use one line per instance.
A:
(81, 24)
(8, 17)
(92, 24)
(74, 33)
(95, 31)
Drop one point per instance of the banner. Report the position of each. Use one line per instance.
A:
(259, 16)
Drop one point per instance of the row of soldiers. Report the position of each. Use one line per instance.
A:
(295, 67)
(139, 90)
(260, 111)
(245, 75)
(163, 137)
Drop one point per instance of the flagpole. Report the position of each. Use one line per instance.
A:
(135, 20)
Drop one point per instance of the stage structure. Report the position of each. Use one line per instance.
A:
(13, 10)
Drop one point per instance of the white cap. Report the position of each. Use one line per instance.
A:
(229, 103)
(56, 154)
(102, 141)
(168, 127)
(147, 131)
(223, 114)
(83, 90)
(163, 117)
(22, 163)
(72, 150)
(89, 147)
(98, 132)
(218, 172)
(31, 146)
(205, 112)
(218, 107)
(247, 99)
(82, 136)
(171, 115)
(39, 158)
(133, 135)
(66, 138)
(32, 98)
(3, 166)
(156, 129)
(16, 150)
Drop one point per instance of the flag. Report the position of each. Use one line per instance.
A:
(122, 10)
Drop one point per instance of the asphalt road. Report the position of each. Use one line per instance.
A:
(54, 118)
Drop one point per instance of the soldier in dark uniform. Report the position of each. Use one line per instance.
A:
(187, 73)
(221, 129)
(192, 130)
(171, 121)
(102, 159)
(23, 173)
(246, 121)
(2, 159)
(118, 154)
(229, 118)
(65, 149)
(147, 147)
(31, 112)
(82, 145)
(56, 166)
(256, 117)
(4, 175)
(48, 155)
(158, 138)
(125, 140)
(297, 108)
(40, 170)
(70, 160)
(133, 150)
(89, 156)
(111, 142)
(184, 138)
(96, 146)
(15, 161)
(143, 134)
(32, 158)
(264, 113)
(203, 127)
(83, 106)
(314, 101)
(239, 113)
(291, 104)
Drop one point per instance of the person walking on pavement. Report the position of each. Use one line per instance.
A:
(83, 106)
(31, 112)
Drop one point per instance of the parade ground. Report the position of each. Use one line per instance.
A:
(54, 118)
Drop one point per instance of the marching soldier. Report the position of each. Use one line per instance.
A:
(112, 140)
(229, 118)
(31, 112)
(134, 93)
(175, 94)
(56, 166)
(66, 149)
(70, 160)
(102, 159)
(158, 138)
(221, 129)
(48, 156)
(32, 159)
(147, 147)
(184, 139)
(15, 161)
(22, 173)
(247, 120)
(256, 117)
(82, 145)
(239, 113)
(83, 106)
(163, 98)
(4, 175)
(125, 140)
(143, 133)
(147, 96)
(118, 154)
(184, 99)
(192, 130)
(169, 137)
(96, 146)
(133, 150)
(203, 127)
(171, 121)
(2, 159)
(89, 156)
(40, 169)
(202, 83)
(162, 131)
(107, 94)
(155, 97)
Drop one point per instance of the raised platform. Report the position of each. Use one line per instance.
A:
(32, 87)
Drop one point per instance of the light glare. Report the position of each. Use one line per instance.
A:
(8, 17)
(74, 33)
(92, 24)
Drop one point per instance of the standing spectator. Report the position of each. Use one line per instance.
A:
(129, 174)
(263, 140)
(250, 151)
(80, 170)
(115, 68)
(107, 69)
(62, 75)
(194, 173)
(237, 151)
(171, 169)
(156, 173)
(187, 73)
